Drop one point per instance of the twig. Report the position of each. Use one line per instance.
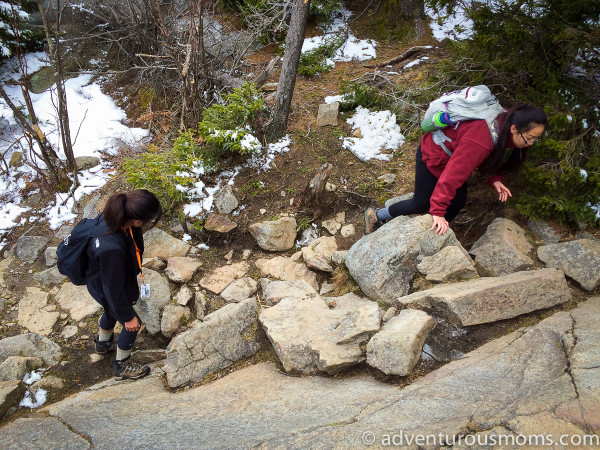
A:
(359, 195)
(411, 51)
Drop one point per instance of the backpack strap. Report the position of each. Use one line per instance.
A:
(439, 138)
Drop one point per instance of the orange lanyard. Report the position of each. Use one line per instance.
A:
(137, 250)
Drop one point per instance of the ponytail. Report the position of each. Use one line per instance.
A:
(140, 204)
(524, 118)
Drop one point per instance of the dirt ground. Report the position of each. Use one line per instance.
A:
(356, 189)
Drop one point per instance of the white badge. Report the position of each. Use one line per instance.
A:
(145, 291)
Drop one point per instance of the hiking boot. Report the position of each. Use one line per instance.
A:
(371, 221)
(105, 346)
(125, 370)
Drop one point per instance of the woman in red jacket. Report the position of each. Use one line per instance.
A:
(441, 180)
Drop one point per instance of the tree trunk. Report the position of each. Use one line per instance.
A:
(314, 192)
(277, 125)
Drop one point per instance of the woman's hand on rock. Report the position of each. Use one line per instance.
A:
(440, 225)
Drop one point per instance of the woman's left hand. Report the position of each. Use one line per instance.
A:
(502, 190)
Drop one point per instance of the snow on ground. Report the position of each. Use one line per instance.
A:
(97, 125)
(352, 49)
(455, 26)
(379, 132)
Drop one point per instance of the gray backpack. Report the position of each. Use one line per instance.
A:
(452, 108)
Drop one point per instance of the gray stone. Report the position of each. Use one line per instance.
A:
(449, 264)
(221, 277)
(348, 230)
(309, 335)
(149, 309)
(35, 313)
(184, 296)
(396, 348)
(383, 263)
(516, 380)
(181, 269)
(284, 269)
(219, 223)
(176, 226)
(548, 234)
(270, 87)
(224, 337)
(225, 201)
(50, 255)
(30, 344)
(69, 331)
(172, 318)
(200, 304)
(50, 382)
(334, 224)
(240, 290)
(64, 231)
(90, 210)
(503, 249)
(86, 162)
(317, 254)
(159, 244)
(29, 247)
(49, 276)
(387, 178)
(328, 114)
(155, 264)
(32, 200)
(275, 235)
(11, 393)
(15, 367)
(277, 290)
(339, 257)
(77, 301)
(390, 201)
(40, 433)
(485, 300)
(579, 260)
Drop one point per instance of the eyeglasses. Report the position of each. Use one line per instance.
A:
(529, 141)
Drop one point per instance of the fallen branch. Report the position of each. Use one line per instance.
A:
(408, 53)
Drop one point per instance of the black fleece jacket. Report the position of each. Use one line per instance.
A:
(113, 269)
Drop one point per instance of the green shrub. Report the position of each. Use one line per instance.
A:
(315, 60)
(361, 94)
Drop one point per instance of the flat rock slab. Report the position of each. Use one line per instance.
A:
(29, 247)
(157, 243)
(49, 276)
(490, 299)
(219, 223)
(78, 301)
(275, 235)
(217, 280)
(277, 290)
(35, 313)
(224, 337)
(282, 268)
(579, 260)
(449, 264)
(328, 114)
(396, 348)
(309, 335)
(30, 344)
(40, 433)
(181, 269)
(503, 249)
(383, 263)
(240, 290)
(520, 379)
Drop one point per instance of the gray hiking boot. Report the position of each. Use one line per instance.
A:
(126, 370)
(371, 221)
(104, 346)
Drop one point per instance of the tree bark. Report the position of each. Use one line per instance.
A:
(277, 125)
(314, 192)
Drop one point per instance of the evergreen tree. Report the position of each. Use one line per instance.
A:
(14, 33)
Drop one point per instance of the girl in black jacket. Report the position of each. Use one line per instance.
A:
(114, 263)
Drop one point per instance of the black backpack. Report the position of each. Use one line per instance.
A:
(72, 258)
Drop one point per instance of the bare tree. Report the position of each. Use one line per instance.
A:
(277, 125)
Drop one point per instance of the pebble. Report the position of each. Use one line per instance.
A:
(262, 211)
(84, 337)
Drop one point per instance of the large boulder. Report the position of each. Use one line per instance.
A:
(29, 247)
(579, 260)
(383, 263)
(503, 249)
(78, 301)
(149, 309)
(490, 299)
(309, 335)
(35, 313)
(157, 243)
(396, 348)
(224, 337)
(217, 280)
(282, 268)
(30, 344)
(275, 235)
(41, 432)
(449, 264)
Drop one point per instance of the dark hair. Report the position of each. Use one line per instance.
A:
(139, 204)
(524, 118)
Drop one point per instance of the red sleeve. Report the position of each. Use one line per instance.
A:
(467, 156)
(491, 180)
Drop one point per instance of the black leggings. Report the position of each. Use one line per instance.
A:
(425, 183)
